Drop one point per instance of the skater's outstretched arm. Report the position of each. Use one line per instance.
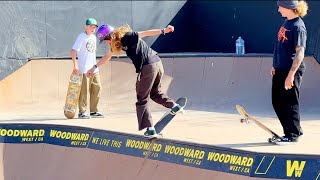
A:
(103, 60)
(154, 32)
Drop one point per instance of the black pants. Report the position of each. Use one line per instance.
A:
(286, 102)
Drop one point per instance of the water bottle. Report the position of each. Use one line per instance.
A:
(240, 46)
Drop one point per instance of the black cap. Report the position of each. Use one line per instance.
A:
(288, 4)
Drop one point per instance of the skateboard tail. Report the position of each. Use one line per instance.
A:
(69, 115)
(242, 111)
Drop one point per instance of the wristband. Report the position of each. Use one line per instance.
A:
(95, 66)
(162, 31)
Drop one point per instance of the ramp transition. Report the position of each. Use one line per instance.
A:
(43, 150)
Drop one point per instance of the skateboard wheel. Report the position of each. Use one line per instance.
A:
(244, 121)
(272, 140)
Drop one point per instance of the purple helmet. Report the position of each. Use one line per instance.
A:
(103, 31)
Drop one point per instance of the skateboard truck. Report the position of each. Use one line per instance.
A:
(244, 120)
(181, 111)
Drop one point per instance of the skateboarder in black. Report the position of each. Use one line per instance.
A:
(288, 67)
(149, 67)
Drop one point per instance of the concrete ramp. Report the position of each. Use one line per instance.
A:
(221, 82)
(211, 83)
(208, 142)
(50, 162)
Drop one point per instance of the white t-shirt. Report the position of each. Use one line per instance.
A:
(86, 46)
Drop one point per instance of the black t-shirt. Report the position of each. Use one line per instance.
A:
(137, 50)
(292, 33)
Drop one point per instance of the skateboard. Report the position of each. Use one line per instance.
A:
(73, 94)
(168, 116)
(163, 122)
(247, 118)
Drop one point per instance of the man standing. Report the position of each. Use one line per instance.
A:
(288, 67)
(85, 49)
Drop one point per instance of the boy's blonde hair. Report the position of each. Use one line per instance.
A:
(302, 9)
(116, 36)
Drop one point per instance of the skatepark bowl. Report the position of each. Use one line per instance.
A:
(207, 142)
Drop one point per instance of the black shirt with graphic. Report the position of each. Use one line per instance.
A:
(137, 50)
(292, 33)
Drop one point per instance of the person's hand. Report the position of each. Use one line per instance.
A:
(75, 70)
(288, 84)
(90, 72)
(273, 71)
(168, 29)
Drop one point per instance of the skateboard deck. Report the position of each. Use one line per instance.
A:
(168, 116)
(162, 123)
(73, 94)
(248, 118)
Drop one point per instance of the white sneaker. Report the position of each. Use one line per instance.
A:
(287, 141)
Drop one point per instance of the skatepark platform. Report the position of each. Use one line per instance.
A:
(207, 142)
